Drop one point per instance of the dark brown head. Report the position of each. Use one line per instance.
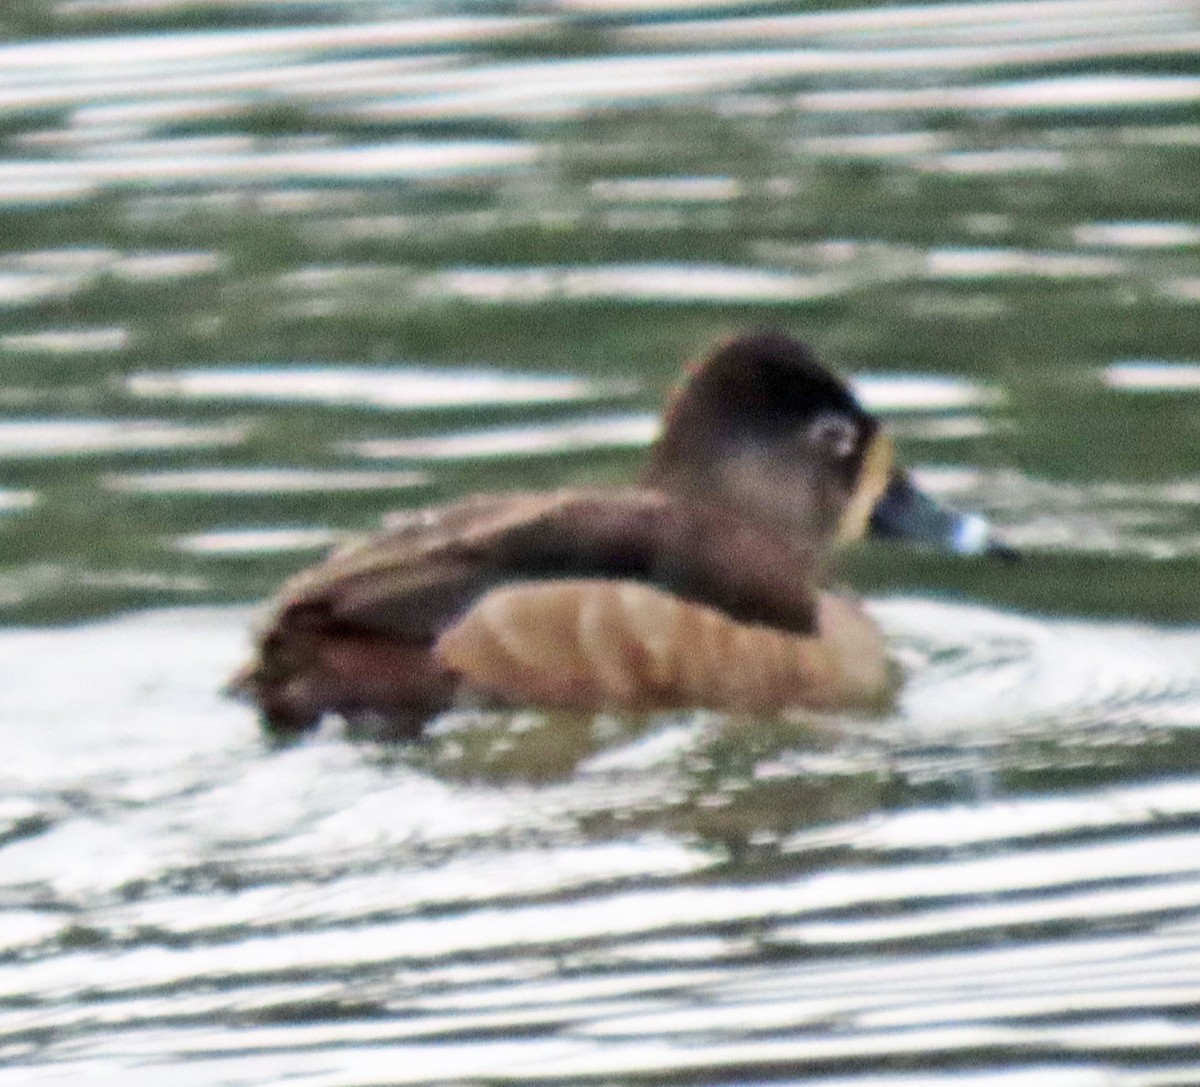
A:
(762, 427)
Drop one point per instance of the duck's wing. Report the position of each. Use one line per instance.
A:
(412, 581)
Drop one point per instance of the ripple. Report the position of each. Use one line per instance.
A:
(995, 885)
(66, 341)
(342, 909)
(1135, 235)
(887, 393)
(1152, 376)
(395, 388)
(78, 57)
(1062, 95)
(166, 163)
(249, 542)
(38, 438)
(996, 263)
(563, 88)
(14, 501)
(1129, 905)
(615, 432)
(657, 282)
(672, 190)
(949, 22)
(900, 394)
(34, 277)
(260, 481)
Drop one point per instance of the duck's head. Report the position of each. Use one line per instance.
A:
(760, 426)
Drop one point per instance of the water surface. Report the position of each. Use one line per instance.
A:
(270, 271)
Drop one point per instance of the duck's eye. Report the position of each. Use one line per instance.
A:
(835, 433)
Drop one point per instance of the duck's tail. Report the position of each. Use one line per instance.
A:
(302, 671)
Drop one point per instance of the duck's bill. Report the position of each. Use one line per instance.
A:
(907, 513)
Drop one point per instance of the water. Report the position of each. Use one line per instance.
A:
(270, 270)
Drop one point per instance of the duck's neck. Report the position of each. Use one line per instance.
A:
(752, 488)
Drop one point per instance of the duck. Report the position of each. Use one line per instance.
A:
(704, 584)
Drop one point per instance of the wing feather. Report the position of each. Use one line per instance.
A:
(413, 580)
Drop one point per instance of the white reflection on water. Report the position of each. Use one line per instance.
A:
(434, 917)
(674, 190)
(1124, 904)
(11, 501)
(66, 341)
(165, 162)
(1134, 235)
(691, 282)
(879, 145)
(882, 393)
(1006, 160)
(479, 878)
(21, 288)
(53, 273)
(1153, 376)
(60, 59)
(617, 432)
(40, 192)
(940, 23)
(132, 264)
(562, 88)
(262, 481)
(99, 68)
(886, 393)
(508, 922)
(988, 823)
(828, 270)
(417, 927)
(258, 541)
(1026, 673)
(1186, 289)
(993, 263)
(395, 388)
(949, 428)
(91, 437)
(643, 7)
(1056, 95)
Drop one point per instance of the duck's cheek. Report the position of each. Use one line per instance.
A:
(784, 488)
